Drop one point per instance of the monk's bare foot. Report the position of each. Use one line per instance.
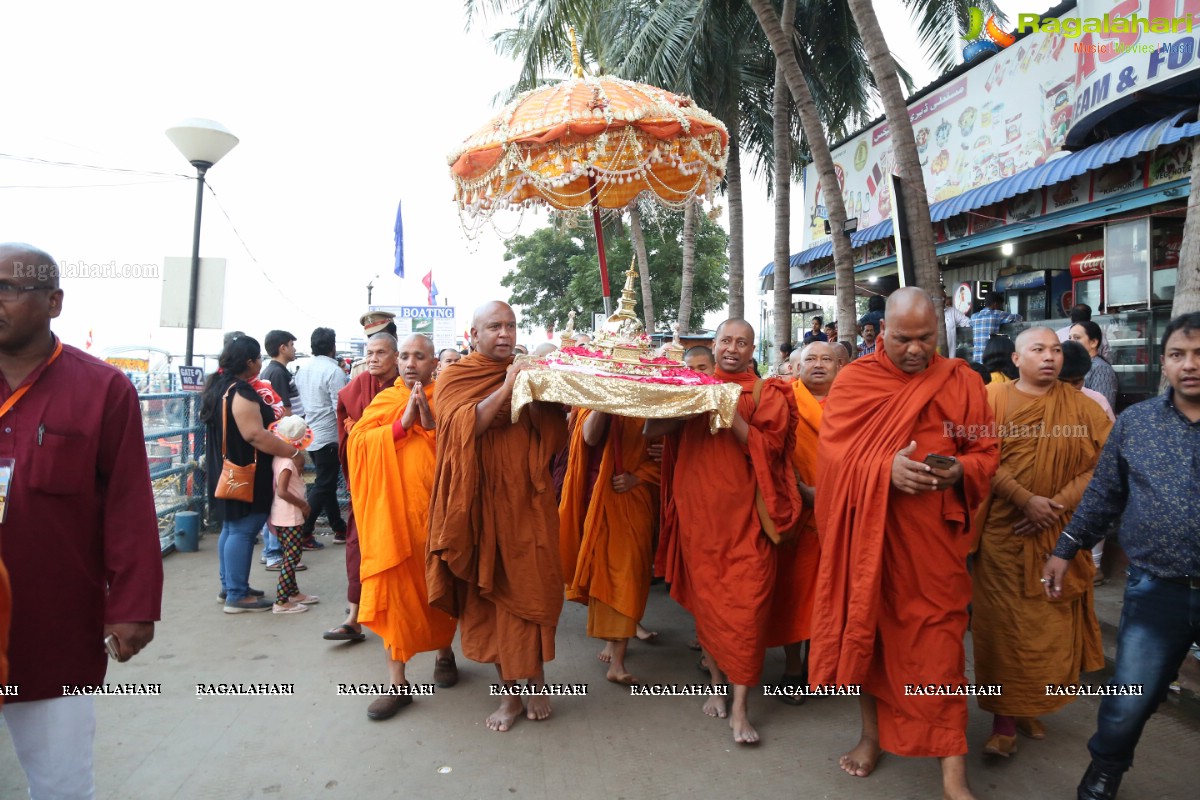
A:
(958, 794)
(621, 676)
(715, 706)
(860, 762)
(743, 731)
(645, 635)
(506, 715)
(605, 655)
(539, 708)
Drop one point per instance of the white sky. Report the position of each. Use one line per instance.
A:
(341, 111)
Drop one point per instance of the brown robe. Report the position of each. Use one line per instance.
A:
(1024, 640)
(493, 558)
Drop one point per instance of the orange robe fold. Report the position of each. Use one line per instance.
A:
(892, 584)
(492, 560)
(722, 565)
(790, 618)
(1023, 640)
(606, 542)
(390, 482)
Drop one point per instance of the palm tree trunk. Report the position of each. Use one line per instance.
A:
(1187, 284)
(904, 149)
(639, 248)
(737, 264)
(689, 267)
(818, 145)
(781, 113)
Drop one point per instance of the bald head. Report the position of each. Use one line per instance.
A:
(910, 329)
(1039, 358)
(29, 265)
(544, 349)
(817, 364)
(734, 345)
(494, 330)
(416, 359)
(383, 340)
(34, 299)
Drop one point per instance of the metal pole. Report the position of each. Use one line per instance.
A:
(370, 288)
(201, 169)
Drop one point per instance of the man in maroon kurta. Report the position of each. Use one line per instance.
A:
(80, 533)
(380, 373)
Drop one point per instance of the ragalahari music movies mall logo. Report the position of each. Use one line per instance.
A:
(984, 37)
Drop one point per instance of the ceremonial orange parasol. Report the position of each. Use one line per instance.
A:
(589, 143)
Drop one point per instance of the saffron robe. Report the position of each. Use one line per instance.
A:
(892, 584)
(353, 399)
(390, 482)
(492, 560)
(1024, 640)
(80, 541)
(790, 618)
(605, 537)
(722, 565)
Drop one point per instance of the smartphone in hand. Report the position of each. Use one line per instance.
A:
(940, 462)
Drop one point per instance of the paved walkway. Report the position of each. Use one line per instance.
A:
(317, 744)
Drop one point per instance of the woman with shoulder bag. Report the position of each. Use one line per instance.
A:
(240, 483)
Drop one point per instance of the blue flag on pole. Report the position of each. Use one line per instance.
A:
(399, 269)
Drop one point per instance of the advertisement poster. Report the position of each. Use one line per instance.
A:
(1008, 114)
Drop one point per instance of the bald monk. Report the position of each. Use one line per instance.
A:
(892, 585)
(790, 621)
(380, 373)
(446, 357)
(390, 452)
(700, 358)
(493, 559)
(723, 567)
(606, 520)
(1051, 440)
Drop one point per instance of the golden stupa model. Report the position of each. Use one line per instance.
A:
(622, 338)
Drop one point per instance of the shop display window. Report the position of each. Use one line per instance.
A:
(1127, 263)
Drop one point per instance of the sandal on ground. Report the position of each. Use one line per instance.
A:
(304, 599)
(344, 633)
(286, 608)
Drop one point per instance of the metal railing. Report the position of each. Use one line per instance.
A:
(175, 450)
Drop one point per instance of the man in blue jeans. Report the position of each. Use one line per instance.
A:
(1147, 475)
(319, 381)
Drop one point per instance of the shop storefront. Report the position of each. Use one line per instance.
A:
(1014, 211)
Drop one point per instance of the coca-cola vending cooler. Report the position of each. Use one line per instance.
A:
(1087, 277)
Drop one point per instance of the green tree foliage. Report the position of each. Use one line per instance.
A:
(557, 270)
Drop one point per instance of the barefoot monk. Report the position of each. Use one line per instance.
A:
(606, 525)
(892, 585)
(493, 559)
(723, 570)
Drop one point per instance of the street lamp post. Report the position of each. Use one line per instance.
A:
(203, 143)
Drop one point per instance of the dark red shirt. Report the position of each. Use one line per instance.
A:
(81, 537)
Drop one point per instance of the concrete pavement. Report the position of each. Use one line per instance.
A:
(608, 744)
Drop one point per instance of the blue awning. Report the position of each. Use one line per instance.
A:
(1057, 170)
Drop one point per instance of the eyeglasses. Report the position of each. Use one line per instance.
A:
(9, 290)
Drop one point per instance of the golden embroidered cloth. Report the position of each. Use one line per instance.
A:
(626, 397)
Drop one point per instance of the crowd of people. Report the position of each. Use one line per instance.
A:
(861, 513)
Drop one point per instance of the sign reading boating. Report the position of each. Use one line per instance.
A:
(436, 322)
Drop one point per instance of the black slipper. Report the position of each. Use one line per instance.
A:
(344, 633)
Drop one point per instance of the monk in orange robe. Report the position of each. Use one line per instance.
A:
(606, 528)
(1051, 437)
(390, 451)
(723, 566)
(493, 558)
(892, 585)
(789, 624)
(353, 399)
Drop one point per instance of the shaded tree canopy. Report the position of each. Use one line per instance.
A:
(557, 270)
